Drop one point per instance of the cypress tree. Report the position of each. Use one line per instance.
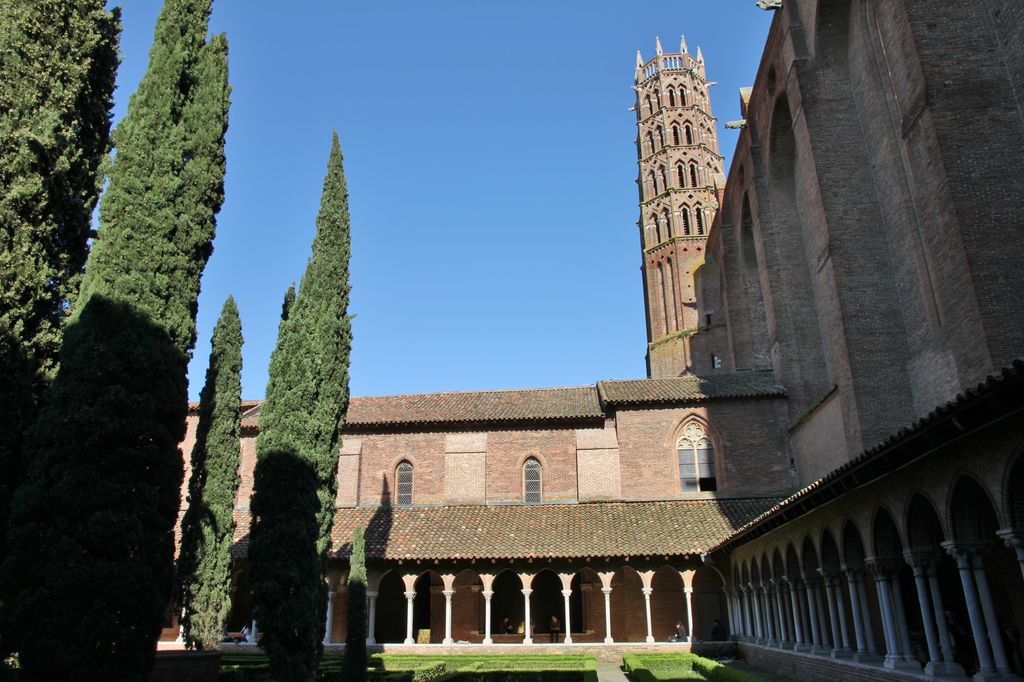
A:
(58, 63)
(354, 664)
(300, 433)
(204, 562)
(92, 541)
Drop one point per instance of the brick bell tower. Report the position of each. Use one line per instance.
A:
(679, 177)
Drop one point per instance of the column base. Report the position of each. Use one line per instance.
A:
(609, 640)
(804, 648)
(841, 652)
(893, 663)
(370, 641)
(944, 669)
(821, 650)
(487, 640)
(527, 640)
(649, 639)
(867, 657)
(787, 645)
(408, 640)
(992, 675)
(567, 640)
(447, 640)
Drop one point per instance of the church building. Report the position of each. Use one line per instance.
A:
(827, 455)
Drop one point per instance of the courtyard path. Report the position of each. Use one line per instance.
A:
(611, 671)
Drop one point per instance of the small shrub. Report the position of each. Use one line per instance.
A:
(718, 672)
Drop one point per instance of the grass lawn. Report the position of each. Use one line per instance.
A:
(682, 666)
(431, 668)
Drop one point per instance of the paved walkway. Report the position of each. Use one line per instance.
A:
(610, 671)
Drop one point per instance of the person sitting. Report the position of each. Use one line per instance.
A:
(506, 626)
(717, 631)
(244, 635)
(680, 634)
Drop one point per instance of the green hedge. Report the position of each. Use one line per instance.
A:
(681, 666)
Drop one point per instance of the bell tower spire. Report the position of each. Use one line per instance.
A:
(679, 176)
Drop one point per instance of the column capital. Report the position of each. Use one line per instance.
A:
(448, 593)
(1014, 539)
(965, 551)
(527, 591)
(647, 591)
(487, 594)
(566, 593)
(410, 595)
(920, 559)
(607, 591)
(882, 569)
(688, 590)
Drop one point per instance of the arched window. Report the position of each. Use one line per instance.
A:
(657, 98)
(668, 223)
(531, 482)
(648, 102)
(671, 97)
(686, 221)
(664, 178)
(682, 96)
(693, 175)
(700, 220)
(696, 459)
(403, 484)
(675, 134)
(681, 174)
(650, 143)
(661, 137)
(654, 184)
(689, 134)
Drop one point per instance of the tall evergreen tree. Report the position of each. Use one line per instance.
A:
(58, 62)
(204, 563)
(300, 433)
(354, 664)
(92, 541)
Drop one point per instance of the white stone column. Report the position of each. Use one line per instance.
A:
(869, 628)
(857, 612)
(647, 609)
(918, 564)
(330, 616)
(794, 604)
(987, 666)
(833, 614)
(823, 620)
(448, 617)
(812, 608)
(901, 621)
(951, 667)
(409, 596)
(989, 611)
(487, 616)
(371, 599)
(748, 619)
(688, 592)
(527, 627)
(755, 599)
(607, 615)
(566, 594)
(845, 651)
(895, 657)
(254, 633)
(785, 641)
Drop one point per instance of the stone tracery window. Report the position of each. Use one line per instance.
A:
(696, 459)
(531, 482)
(403, 484)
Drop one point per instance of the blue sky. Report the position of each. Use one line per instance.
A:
(490, 160)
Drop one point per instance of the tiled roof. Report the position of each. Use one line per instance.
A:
(1000, 394)
(542, 404)
(536, 404)
(749, 384)
(600, 529)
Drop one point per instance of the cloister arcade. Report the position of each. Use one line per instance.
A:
(517, 603)
(933, 579)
